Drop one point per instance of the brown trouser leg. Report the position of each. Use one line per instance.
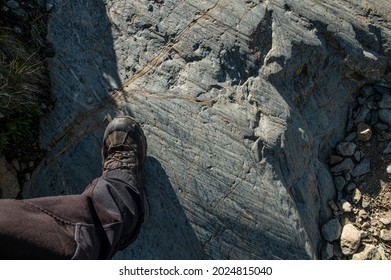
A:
(105, 218)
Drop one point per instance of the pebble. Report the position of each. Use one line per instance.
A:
(367, 91)
(387, 149)
(356, 195)
(334, 159)
(371, 105)
(363, 214)
(385, 234)
(346, 148)
(333, 205)
(388, 169)
(367, 252)
(339, 182)
(357, 155)
(345, 166)
(350, 137)
(385, 116)
(364, 132)
(331, 230)
(365, 202)
(350, 187)
(327, 251)
(385, 221)
(350, 239)
(362, 168)
(362, 115)
(382, 89)
(346, 206)
(381, 126)
(385, 102)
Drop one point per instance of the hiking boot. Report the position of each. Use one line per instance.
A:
(125, 148)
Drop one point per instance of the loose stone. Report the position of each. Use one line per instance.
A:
(344, 166)
(381, 126)
(385, 102)
(385, 116)
(357, 155)
(364, 132)
(362, 168)
(362, 115)
(382, 89)
(350, 137)
(367, 91)
(385, 221)
(333, 206)
(385, 235)
(388, 169)
(339, 182)
(356, 196)
(367, 252)
(363, 214)
(350, 239)
(346, 206)
(350, 187)
(331, 230)
(327, 251)
(387, 149)
(334, 159)
(365, 202)
(346, 148)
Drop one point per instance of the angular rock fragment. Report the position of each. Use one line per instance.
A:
(385, 116)
(367, 252)
(339, 182)
(327, 251)
(331, 230)
(385, 102)
(385, 235)
(346, 148)
(362, 168)
(387, 149)
(346, 206)
(345, 166)
(350, 239)
(356, 196)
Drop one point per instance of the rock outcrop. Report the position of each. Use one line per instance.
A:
(241, 102)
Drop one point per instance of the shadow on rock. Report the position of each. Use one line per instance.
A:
(167, 234)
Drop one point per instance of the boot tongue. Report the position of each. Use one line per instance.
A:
(117, 138)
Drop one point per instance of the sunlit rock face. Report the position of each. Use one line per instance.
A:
(241, 103)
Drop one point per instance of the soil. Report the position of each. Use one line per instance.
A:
(375, 189)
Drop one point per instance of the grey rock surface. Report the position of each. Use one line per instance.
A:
(241, 104)
(9, 185)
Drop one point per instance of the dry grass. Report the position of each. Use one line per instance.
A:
(24, 85)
